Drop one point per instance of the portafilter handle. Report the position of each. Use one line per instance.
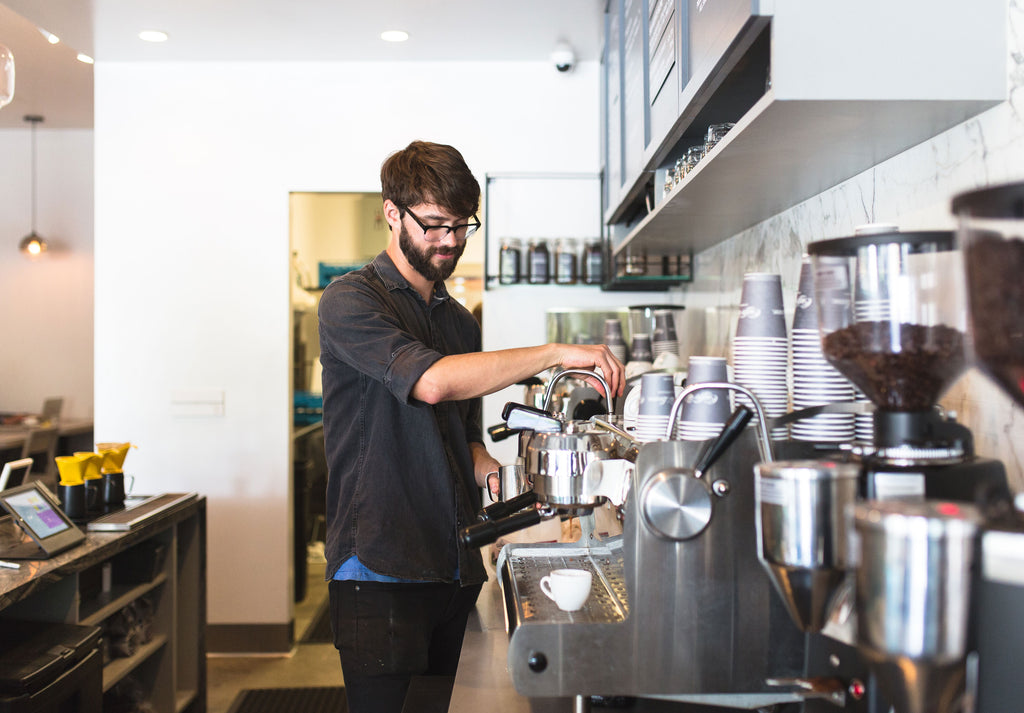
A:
(484, 533)
(766, 445)
(586, 373)
(506, 507)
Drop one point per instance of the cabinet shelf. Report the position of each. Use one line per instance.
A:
(812, 107)
(119, 668)
(779, 154)
(94, 611)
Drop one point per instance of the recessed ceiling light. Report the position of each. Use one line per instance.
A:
(153, 36)
(50, 37)
(394, 35)
(84, 58)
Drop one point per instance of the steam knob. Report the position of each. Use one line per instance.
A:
(676, 505)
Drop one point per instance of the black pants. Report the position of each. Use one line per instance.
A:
(387, 633)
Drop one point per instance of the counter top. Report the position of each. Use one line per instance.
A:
(35, 575)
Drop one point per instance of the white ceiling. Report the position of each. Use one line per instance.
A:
(51, 82)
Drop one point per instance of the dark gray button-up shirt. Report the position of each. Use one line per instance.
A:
(400, 472)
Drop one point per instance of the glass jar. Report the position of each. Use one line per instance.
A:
(509, 261)
(565, 261)
(593, 262)
(537, 262)
(636, 261)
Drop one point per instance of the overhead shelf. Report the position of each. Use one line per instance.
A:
(778, 155)
(814, 104)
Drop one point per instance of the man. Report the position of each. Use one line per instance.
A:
(402, 379)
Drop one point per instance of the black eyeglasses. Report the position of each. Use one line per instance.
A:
(436, 233)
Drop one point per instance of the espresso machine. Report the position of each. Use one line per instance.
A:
(681, 614)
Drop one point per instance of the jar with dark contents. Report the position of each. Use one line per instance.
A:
(565, 261)
(509, 261)
(593, 262)
(537, 262)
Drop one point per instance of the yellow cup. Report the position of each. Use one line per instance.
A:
(71, 469)
(93, 461)
(113, 456)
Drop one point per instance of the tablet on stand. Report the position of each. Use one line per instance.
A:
(36, 512)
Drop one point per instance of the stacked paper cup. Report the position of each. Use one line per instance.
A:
(704, 412)
(815, 381)
(657, 392)
(641, 357)
(761, 348)
(664, 340)
(614, 339)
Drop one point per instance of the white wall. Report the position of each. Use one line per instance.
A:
(46, 320)
(194, 163)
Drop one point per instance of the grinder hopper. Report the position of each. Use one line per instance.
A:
(913, 599)
(802, 533)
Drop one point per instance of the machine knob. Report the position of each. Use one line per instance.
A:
(537, 662)
(676, 505)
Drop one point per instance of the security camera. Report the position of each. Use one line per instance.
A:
(563, 57)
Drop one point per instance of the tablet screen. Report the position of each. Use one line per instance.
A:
(37, 513)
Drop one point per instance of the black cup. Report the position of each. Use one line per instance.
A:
(76, 500)
(112, 490)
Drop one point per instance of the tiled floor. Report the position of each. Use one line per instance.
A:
(305, 665)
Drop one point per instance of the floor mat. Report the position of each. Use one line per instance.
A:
(290, 700)
(319, 629)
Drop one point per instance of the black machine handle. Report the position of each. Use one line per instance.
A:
(501, 431)
(484, 533)
(732, 428)
(507, 507)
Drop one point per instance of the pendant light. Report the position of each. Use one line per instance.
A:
(33, 245)
(6, 76)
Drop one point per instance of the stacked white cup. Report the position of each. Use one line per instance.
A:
(815, 381)
(704, 412)
(657, 393)
(761, 348)
(641, 357)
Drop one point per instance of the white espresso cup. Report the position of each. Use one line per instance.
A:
(568, 588)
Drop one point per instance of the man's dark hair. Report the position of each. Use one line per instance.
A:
(425, 172)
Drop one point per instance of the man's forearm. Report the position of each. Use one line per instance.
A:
(467, 376)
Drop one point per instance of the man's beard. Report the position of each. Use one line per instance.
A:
(420, 261)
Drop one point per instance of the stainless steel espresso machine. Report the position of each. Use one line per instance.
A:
(887, 579)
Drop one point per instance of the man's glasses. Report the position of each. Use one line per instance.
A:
(436, 233)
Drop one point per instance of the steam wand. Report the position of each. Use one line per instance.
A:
(765, 444)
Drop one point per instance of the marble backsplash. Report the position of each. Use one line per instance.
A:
(912, 190)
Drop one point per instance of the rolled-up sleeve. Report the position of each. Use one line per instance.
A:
(357, 329)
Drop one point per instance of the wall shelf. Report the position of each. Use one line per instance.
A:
(780, 154)
(813, 101)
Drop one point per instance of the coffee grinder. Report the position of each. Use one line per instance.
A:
(894, 322)
(991, 235)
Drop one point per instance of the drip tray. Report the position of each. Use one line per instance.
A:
(523, 565)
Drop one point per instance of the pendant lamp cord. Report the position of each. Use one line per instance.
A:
(34, 119)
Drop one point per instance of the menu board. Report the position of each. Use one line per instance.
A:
(633, 86)
(614, 98)
(661, 39)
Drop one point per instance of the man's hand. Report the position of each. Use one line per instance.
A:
(595, 356)
(483, 465)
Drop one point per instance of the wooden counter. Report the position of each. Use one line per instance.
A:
(161, 562)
